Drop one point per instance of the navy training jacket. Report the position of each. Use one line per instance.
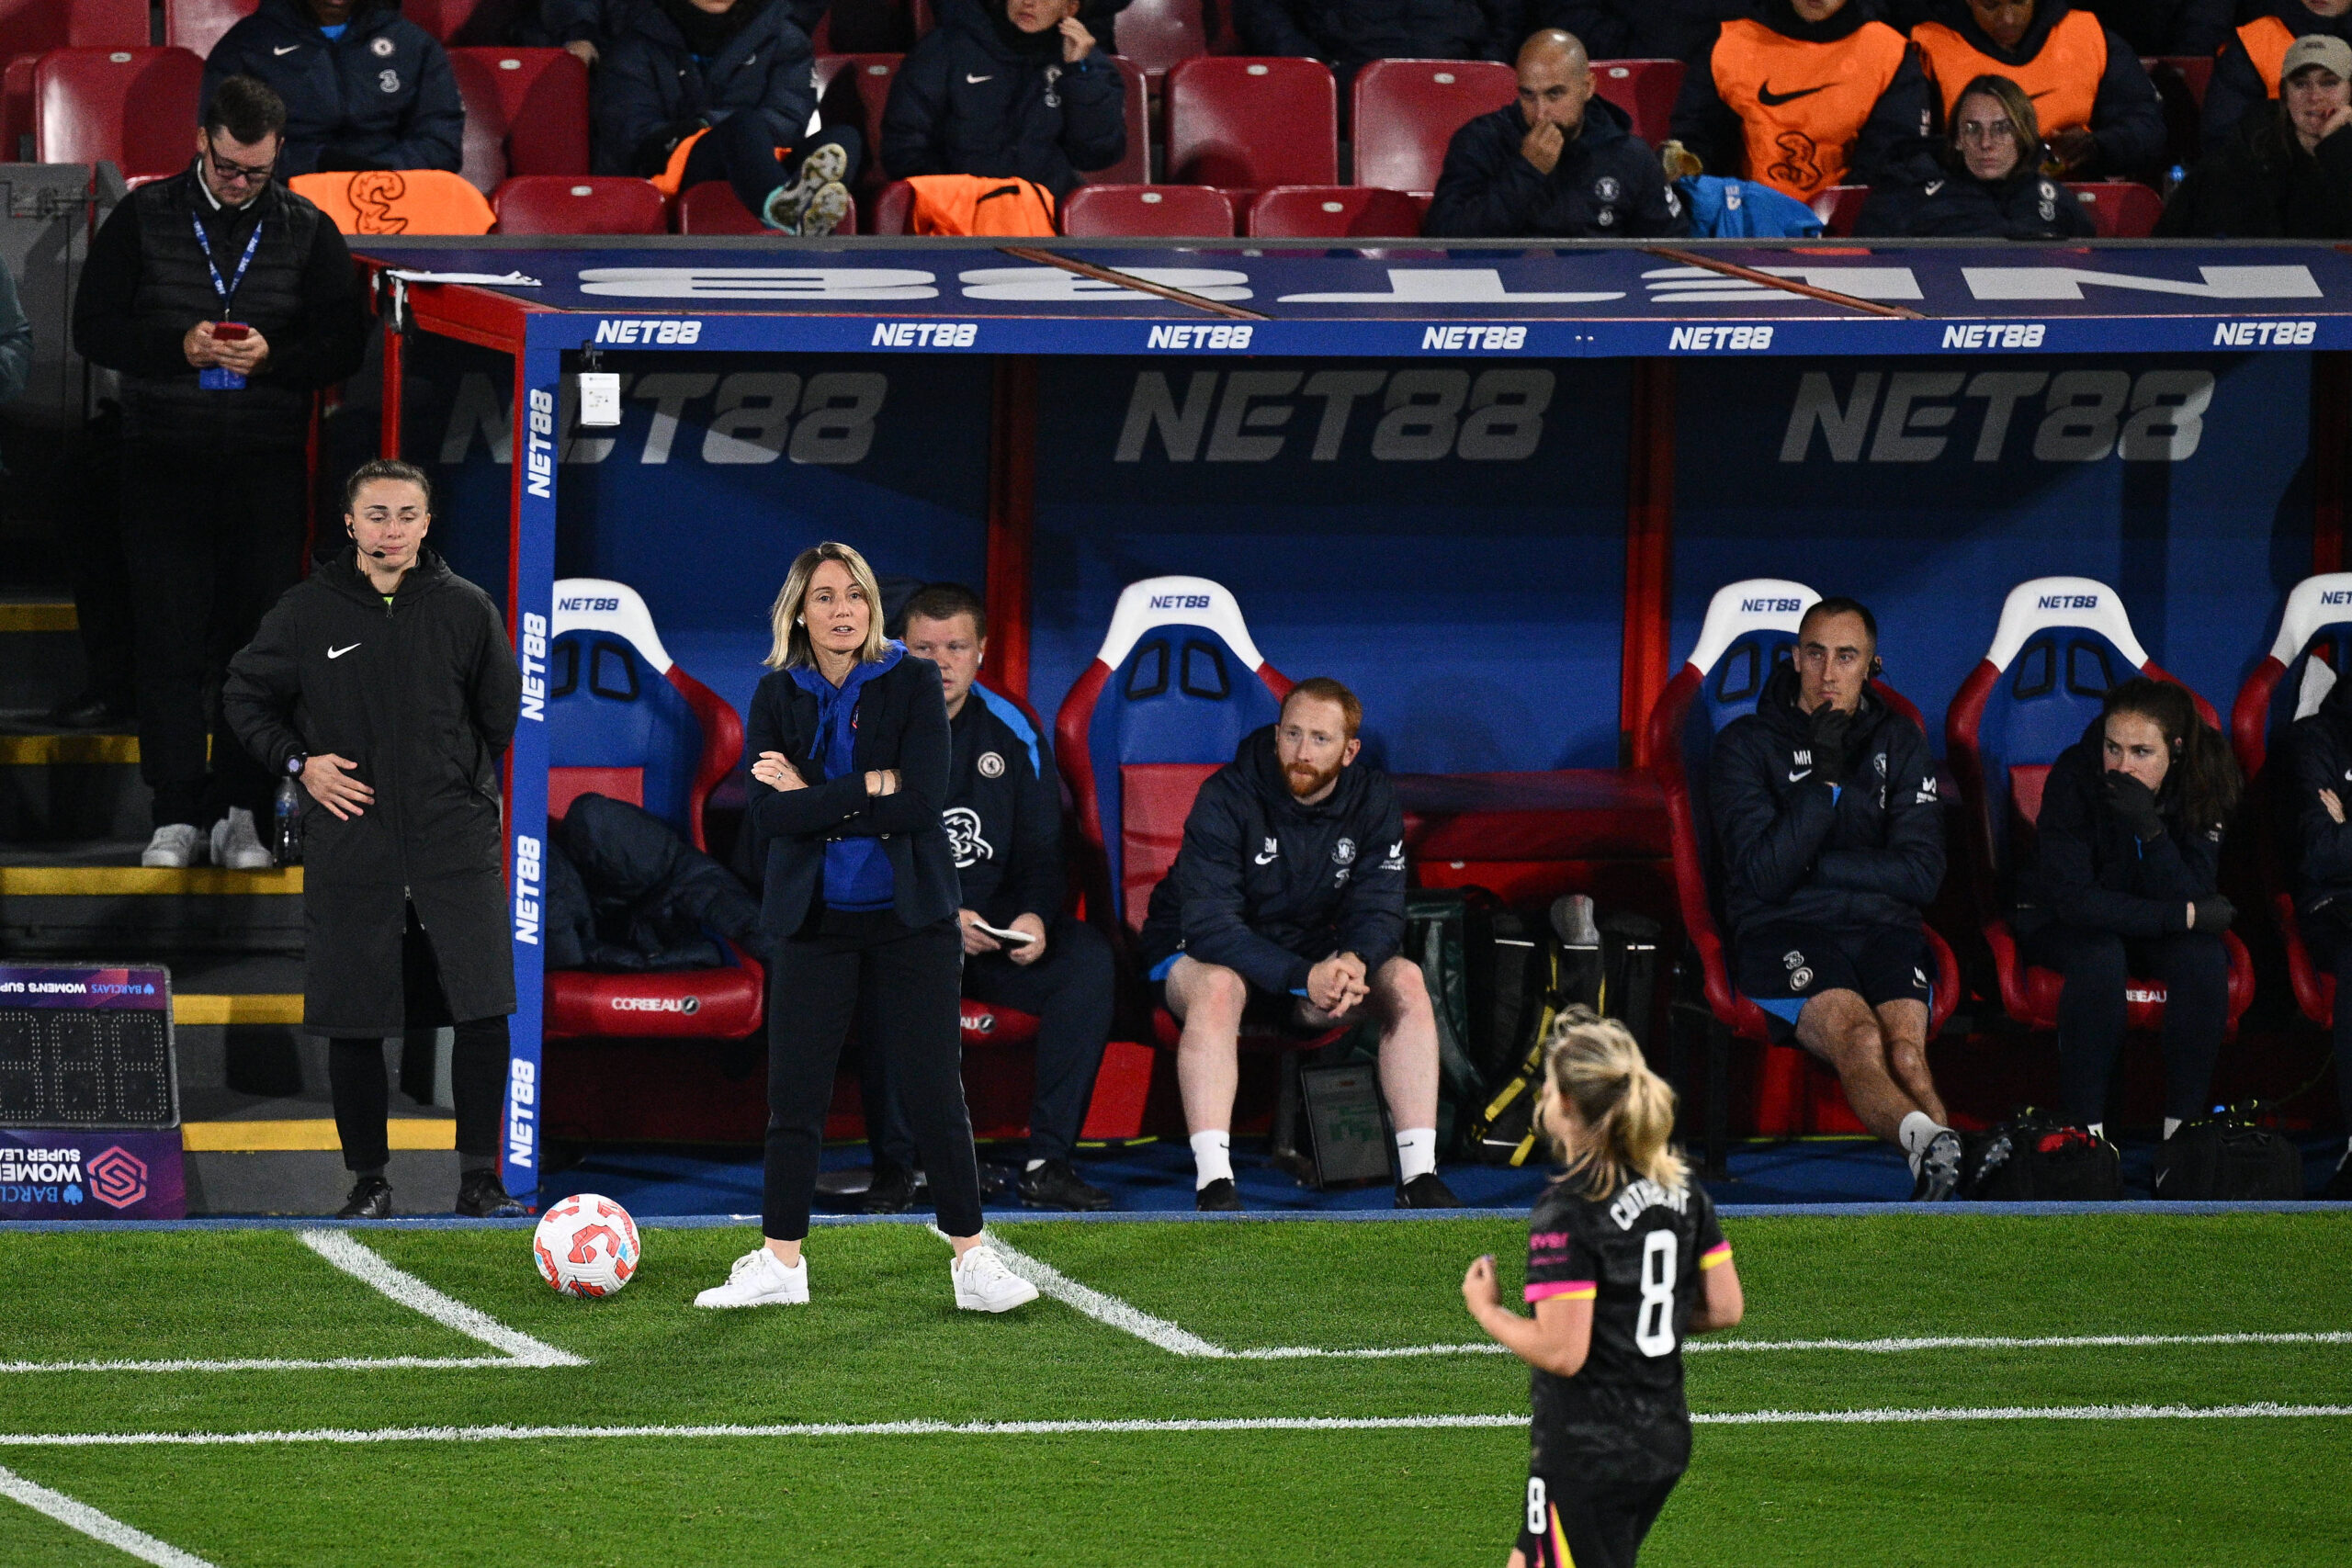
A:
(969, 101)
(651, 85)
(381, 96)
(2088, 868)
(1607, 183)
(1004, 812)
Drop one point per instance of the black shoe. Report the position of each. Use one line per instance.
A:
(893, 1191)
(1426, 1191)
(371, 1198)
(1939, 1175)
(1218, 1197)
(1054, 1185)
(87, 711)
(481, 1196)
(2339, 1187)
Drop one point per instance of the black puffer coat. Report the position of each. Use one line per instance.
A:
(422, 694)
(2026, 206)
(652, 91)
(977, 96)
(381, 96)
(2319, 752)
(2089, 870)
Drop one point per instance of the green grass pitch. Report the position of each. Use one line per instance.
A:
(882, 1343)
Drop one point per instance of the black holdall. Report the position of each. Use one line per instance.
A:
(2036, 1157)
(2228, 1155)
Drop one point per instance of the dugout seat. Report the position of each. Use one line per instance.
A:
(197, 24)
(136, 109)
(1750, 629)
(398, 201)
(2062, 643)
(1404, 112)
(1244, 124)
(1147, 211)
(1135, 168)
(624, 721)
(1158, 35)
(2310, 653)
(2121, 209)
(526, 113)
(579, 204)
(1839, 207)
(1175, 686)
(1646, 89)
(853, 89)
(1335, 212)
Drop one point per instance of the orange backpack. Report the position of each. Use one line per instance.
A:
(968, 204)
(398, 201)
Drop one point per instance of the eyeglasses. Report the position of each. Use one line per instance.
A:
(230, 174)
(1986, 131)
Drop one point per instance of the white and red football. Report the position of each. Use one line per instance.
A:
(586, 1246)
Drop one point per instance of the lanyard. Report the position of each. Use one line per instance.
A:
(204, 244)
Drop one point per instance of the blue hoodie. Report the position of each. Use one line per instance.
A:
(857, 873)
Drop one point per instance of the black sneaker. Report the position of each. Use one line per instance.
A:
(2339, 1185)
(1939, 1175)
(1054, 1185)
(481, 1196)
(371, 1198)
(1218, 1197)
(893, 1191)
(1426, 1191)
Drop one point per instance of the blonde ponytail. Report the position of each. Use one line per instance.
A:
(1595, 1065)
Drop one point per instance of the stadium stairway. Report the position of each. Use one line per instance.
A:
(256, 1122)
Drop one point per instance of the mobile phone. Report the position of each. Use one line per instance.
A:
(230, 331)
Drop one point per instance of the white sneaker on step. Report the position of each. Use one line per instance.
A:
(174, 847)
(235, 844)
(759, 1280)
(984, 1284)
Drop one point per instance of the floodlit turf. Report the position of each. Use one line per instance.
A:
(883, 1343)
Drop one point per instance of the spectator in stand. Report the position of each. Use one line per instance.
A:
(364, 88)
(1006, 89)
(1823, 801)
(1991, 186)
(16, 339)
(1804, 95)
(1558, 163)
(2124, 881)
(702, 90)
(1640, 29)
(1285, 909)
(214, 478)
(1004, 826)
(2175, 28)
(587, 27)
(2254, 62)
(2288, 174)
(2319, 749)
(2098, 111)
(1348, 34)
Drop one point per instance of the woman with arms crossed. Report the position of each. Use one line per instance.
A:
(858, 895)
(1624, 1260)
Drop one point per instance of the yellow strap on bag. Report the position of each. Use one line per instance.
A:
(968, 204)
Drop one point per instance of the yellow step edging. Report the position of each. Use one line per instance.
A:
(117, 881)
(269, 1137)
(51, 751)
(252, 1008)
(37, 618)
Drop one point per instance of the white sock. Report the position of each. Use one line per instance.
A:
(1416, 1153)
(1035, 1165)
(1917, 1131)
(2097, 1129)
(1212, 1158)
(2172, 1125)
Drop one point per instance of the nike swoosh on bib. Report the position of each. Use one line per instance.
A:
(339, 652)
(1772, 100)
(976, 80)
(286, 49)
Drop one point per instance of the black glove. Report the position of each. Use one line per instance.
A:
(2135, 804)
(2215, 914)
(1827, 736)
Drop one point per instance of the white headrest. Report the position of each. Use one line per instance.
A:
(594, 603)
(1176, 601)
(2049, 601)
(2318, 681)
(2316, 602)
(1759, 604)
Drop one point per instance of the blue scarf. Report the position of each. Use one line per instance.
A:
(857, 873)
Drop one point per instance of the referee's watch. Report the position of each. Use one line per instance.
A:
(296, 763)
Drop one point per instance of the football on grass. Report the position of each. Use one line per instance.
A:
(586, 1246)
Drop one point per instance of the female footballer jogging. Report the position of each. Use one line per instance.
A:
(1624, 1260)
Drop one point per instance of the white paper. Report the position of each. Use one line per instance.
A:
(1017, 939)
(599, 399)
(498, 279)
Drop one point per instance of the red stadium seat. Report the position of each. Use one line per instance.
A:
(2122, 210)
(457, 22)
(578, 204)
(2062, 643)
(853, 89)
(624, 721)
(1147, 211)
(894, 209)
(31, 28)
(1244, 124)
(1161, 34)
(1839, 207)
(198, 24)
(134, 108)
(1645, 90)
(526, 113)
(710, 208)
(1135, 169)
(1738, 649)
(2180, 84)
(1334, 212)
(1405, 111)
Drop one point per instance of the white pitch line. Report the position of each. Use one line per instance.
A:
(1101, 1307)
(357, 1436)
(2001, 1342)
(97, 1526)
(268, 1364)
(367, 1266)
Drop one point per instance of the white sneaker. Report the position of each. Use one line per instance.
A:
(984, 1284)
(236, 846)
(757, 1280)
(175, 847)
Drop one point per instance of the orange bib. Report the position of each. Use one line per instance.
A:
(969, 204)
(2063, 80)
(2267, 41)
(1801, 104)
(398, 201)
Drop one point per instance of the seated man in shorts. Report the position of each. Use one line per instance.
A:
(1285, 909)
(1824, 802)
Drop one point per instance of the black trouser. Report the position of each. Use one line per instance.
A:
(2194, 968)
(357, 1079)
(93, 549)
(1071, 991)
(2331, 949)
(1600, 1523)
(210, 540)
(740, 150)
(843, 967)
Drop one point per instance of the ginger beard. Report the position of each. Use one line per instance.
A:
(1305, 780)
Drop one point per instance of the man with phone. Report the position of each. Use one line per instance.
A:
(225, 301)
(1004, 823)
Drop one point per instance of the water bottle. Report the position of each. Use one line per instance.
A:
(287, 838)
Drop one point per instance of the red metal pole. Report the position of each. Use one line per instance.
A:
(395, 379)
(2331, 457)
(1649, 557)
(1012, 517)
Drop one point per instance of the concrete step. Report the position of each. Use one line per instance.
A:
(93, 900)
(249, 1154)
(40, 652)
